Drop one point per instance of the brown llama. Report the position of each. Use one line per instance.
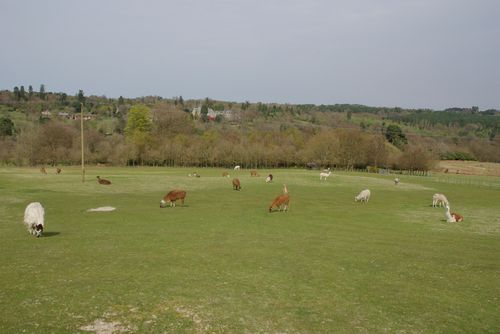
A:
(173, 196)
(58, 171)
(236, 184)
(103, 181)
(282, 202)
(225, 174)
(254, 173)
(43, 171)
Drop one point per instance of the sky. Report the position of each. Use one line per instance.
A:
(407, 53)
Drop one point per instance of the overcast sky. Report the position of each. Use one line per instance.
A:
(407, 53)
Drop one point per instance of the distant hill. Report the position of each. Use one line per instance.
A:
(210, 132)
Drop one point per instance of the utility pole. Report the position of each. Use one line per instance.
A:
(81, 133)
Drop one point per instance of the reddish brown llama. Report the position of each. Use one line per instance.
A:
(282, 202)
(236, 184)
(173, 196)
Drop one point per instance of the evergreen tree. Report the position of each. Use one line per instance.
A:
(6, 126)
(42, 94)
(81, 96)
(17, 95)
(395, 135)
(204, 113)
(30, 91)
(22, 93)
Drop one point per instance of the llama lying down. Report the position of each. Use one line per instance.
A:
(34, 218)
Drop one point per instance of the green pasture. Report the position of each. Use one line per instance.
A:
(223, 264)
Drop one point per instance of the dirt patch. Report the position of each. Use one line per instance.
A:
(200, 325)
(468, 168)
(102, 327)
(102, 209)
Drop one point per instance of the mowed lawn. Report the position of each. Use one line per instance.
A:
(223, 264)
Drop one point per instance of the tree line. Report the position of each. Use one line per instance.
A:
(162, 132)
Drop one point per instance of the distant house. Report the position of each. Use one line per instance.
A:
(212, 114)
(86, 117)
(46, 114)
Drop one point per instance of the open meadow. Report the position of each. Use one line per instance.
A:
(223, 264)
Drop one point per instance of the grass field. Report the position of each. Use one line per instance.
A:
(223, 264)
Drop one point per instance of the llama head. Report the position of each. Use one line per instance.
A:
(38, 230)
(163, 203)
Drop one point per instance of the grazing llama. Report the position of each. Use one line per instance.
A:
(43, 171)
(173, 196)
(363, 196)
(238, 167)
(396, 181)
(439, 200)
(452, 217)
(103, 181)
(269, 178)
(236, 184)
(254, 173)
(282, 202)
(34, 217)
(225, 174)
(324, 175)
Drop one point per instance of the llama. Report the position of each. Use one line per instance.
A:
(452, 217)
(363, 196)
(43, 171)
(323, 175)
(236, 184)
(34, 217)
(269, 178)
(439, 200)
(396, 181)
(103, 181)
(173, 196)
(225, 174)
(254, 173)
(238, 167)
(282, 202)
(58, 171)
(194, 175)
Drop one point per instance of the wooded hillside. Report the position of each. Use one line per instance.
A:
(43, 128)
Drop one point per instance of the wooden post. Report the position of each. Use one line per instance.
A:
(81, 133)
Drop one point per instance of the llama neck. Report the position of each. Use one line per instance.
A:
(449, 217)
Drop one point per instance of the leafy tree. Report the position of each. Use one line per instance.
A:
(416, 158)
(6, 126)
(395, 136)
(138, 128)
